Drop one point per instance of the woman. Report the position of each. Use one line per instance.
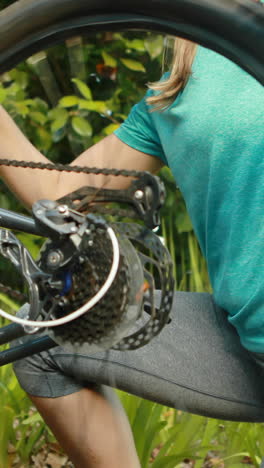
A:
(205, 121)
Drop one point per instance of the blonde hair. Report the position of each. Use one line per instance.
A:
(183, 56)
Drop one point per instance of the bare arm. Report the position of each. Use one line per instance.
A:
(31, 185)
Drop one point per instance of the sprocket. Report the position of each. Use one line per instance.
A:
(112, 317)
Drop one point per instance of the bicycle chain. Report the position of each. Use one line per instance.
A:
(69, 168)
(17, 295)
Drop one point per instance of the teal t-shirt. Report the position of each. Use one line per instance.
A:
(212, 138)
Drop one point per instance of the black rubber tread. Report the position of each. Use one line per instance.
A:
(234, 28)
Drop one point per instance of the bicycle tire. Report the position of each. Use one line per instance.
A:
(234, 28)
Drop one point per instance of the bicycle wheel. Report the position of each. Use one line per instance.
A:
(234, 28)
(231, 27)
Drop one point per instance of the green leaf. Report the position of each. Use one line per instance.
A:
(96, 106)
(13, 89)
(68, 101)
(57, 113)
(32, 419)
(38, 117)
(143, 413)
(30, 102)
(9, 302)
(133, 64)
(97, 138)
(43, 139)
(58, 135)
(110, 129)
(210, 433)
(183, 222)
(38, 103)
(30, 243)
(57, 125)
(109, 60)
(7, 417)
(2, 95)
(21, 108)
(81, 126)
(149, 439)
(20, 77)
(136, 44)
(154, 45)
(60, 119)
(83, 88)
(5, 201)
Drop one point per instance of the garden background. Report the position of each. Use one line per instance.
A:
(66, 99)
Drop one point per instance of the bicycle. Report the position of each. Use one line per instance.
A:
(200, 21)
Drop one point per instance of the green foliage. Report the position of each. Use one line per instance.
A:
(64, 112)
(165, 438)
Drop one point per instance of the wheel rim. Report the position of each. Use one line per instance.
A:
(230, 27)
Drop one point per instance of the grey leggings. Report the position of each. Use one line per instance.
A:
(196, 364)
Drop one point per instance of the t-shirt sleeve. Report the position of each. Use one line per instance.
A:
(139, 131)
